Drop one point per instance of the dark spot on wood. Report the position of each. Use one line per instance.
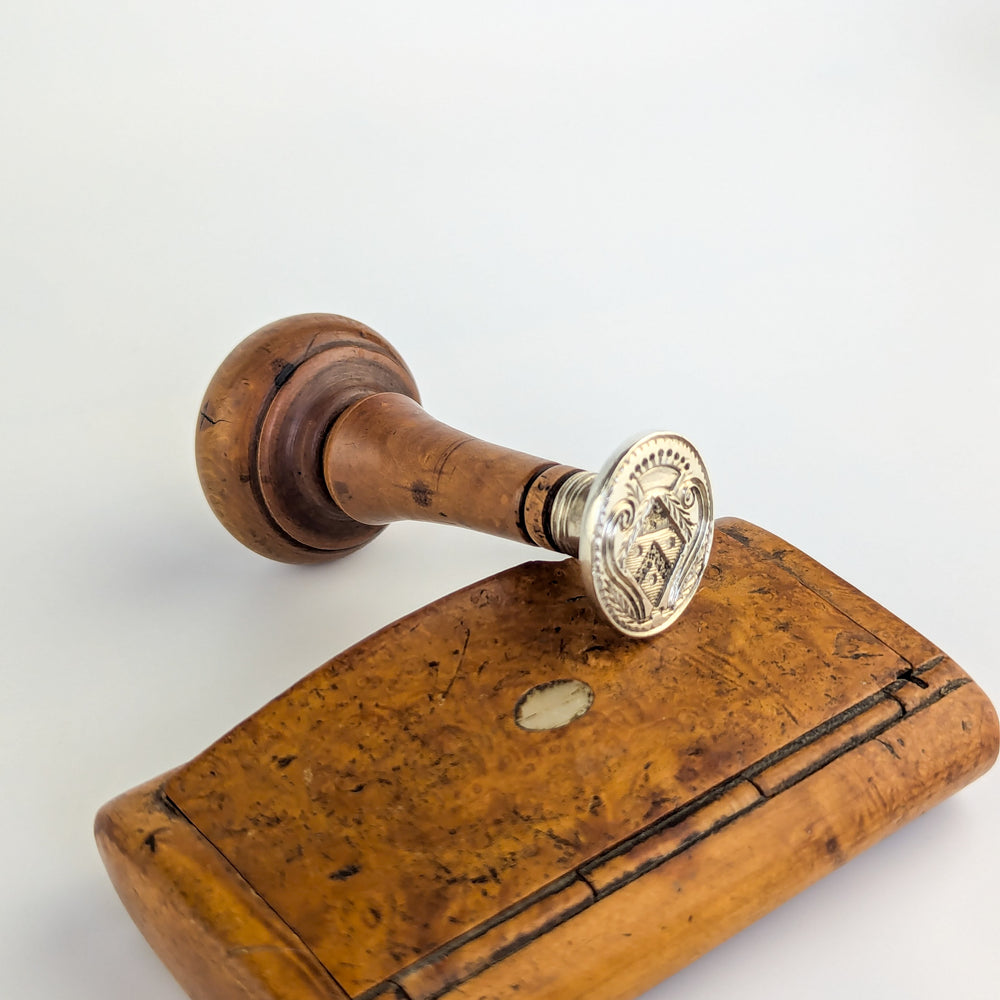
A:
(359, 788)
(555, 838)
(421, 493)
(284, 374)
(342, 874)
(266, 821)
(686, 774)
(283, 762)
(738, 535)
(835, 851)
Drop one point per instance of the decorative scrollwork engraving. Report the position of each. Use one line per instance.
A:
(647, 532)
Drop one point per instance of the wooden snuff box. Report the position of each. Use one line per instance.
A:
(507, 792)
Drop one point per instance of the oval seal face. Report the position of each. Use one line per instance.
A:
(647, 533)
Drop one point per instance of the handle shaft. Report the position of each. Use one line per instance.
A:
(386, 459)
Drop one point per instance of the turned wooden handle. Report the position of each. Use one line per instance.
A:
(386, 459)
(312, 438)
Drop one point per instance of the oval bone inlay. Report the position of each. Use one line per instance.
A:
(553, 704)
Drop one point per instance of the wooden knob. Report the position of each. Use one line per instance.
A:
(312, 438)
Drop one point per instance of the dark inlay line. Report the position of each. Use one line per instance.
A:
(172, 807)
(521, 526)
(460, 940)
(664, 823)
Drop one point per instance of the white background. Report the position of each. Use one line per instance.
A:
(771, 227)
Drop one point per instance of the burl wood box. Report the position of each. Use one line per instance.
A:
(387, 829)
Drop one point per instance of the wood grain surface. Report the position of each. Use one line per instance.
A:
(311, 438)
(386, 459)
(418, 843)
(262, 425)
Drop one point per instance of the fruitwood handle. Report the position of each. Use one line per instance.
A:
(386, 459)
(311, 437)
